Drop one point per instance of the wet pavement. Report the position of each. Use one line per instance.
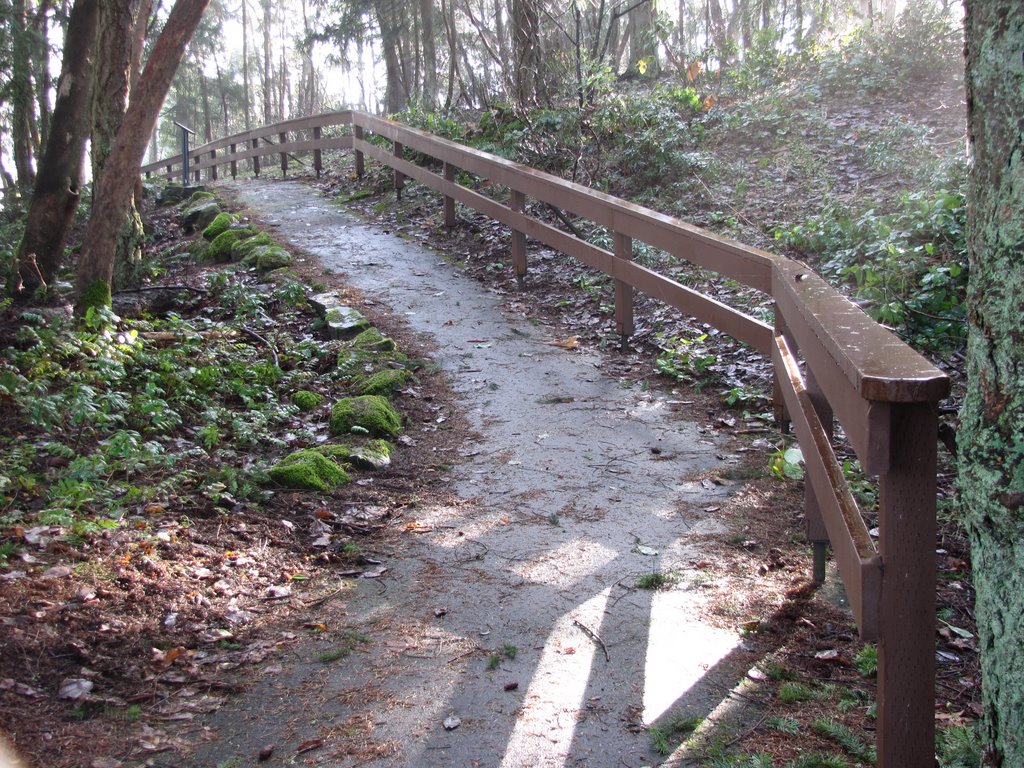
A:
(516, 616)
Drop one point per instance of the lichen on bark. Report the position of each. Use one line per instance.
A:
(991, 436)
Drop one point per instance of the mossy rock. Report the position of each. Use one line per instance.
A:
(199, 196)
(371, 413)
(222, 247)
(266, 258)
(372, 339)
(200, 215)
(373, 454)
(221, 223)
(382, 382)
(308, 470)
(306, 400)
(245, 247)
(355, 362)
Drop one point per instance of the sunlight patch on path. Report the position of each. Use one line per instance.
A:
(543, 732)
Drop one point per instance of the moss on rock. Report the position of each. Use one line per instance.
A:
(372, 454)
(266, 258)
(310, 470)
(222, 247)
(200, 215)
(372, 413)
(382, 382)
(199, 196)
(245, 247)
(372, 339)
(306, 400)
(221, 223)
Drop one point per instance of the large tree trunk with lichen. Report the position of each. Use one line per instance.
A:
(111, 86)
(56, 192)
(992, 422)
(114, 188)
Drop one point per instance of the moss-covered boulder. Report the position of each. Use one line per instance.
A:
(200, 215)
(372, 454)
(308, 470)
(222, 247)
(371, 414)
(373, 340)
(245, 247)
(266, 258)
(306, 401)
(221, 223)
(198, 196)
(382, 382)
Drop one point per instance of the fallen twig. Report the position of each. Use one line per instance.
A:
(593, 636)
(267, 344)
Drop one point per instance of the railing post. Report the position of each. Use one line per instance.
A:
(170, 172)
(778, 403)
(256, 157)
(213, 168)
(317, 155)
(624, 324)
(906, 648)
(196, 171)
(449, 201)
(234, 163)
(519, 240)
(357, 135)
(814, 523)
(284, 155)
(399, 177)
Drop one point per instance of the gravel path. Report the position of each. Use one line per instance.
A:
(517, 615)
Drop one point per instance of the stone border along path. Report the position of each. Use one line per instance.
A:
(588, 658)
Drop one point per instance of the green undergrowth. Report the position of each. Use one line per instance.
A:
(110, 419)
(809, 149)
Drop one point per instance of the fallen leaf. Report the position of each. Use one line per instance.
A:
(570, 343)
(451, 723)
(265, 753)
(74, 688)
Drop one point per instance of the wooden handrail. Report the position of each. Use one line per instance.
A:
(853, 371)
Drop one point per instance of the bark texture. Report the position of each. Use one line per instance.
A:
(114, 188)
(56, 192)
(992, 422)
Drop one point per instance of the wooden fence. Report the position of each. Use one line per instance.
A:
(832, 364)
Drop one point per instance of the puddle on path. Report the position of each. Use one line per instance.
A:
(565, 506)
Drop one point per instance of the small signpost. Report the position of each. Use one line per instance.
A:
(185, 131)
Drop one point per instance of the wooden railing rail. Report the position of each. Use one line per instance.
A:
(832, 364)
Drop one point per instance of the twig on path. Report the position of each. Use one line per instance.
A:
(740, 736)
(593, 636)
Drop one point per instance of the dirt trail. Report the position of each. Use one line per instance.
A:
(578, 486)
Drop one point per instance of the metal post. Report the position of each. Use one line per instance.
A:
(185, 131)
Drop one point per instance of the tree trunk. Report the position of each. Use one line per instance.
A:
(112, 79)
(114, 187)
(396, 97)
(992, 422)
(527, 47)
(643, 43)
(268, 104)
(429, 54)
(56, 193)
(246, 89)
(22, 104)
(41, 59)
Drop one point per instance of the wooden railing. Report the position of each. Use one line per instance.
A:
(832, 363)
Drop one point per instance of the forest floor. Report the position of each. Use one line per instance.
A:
(135, 645)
